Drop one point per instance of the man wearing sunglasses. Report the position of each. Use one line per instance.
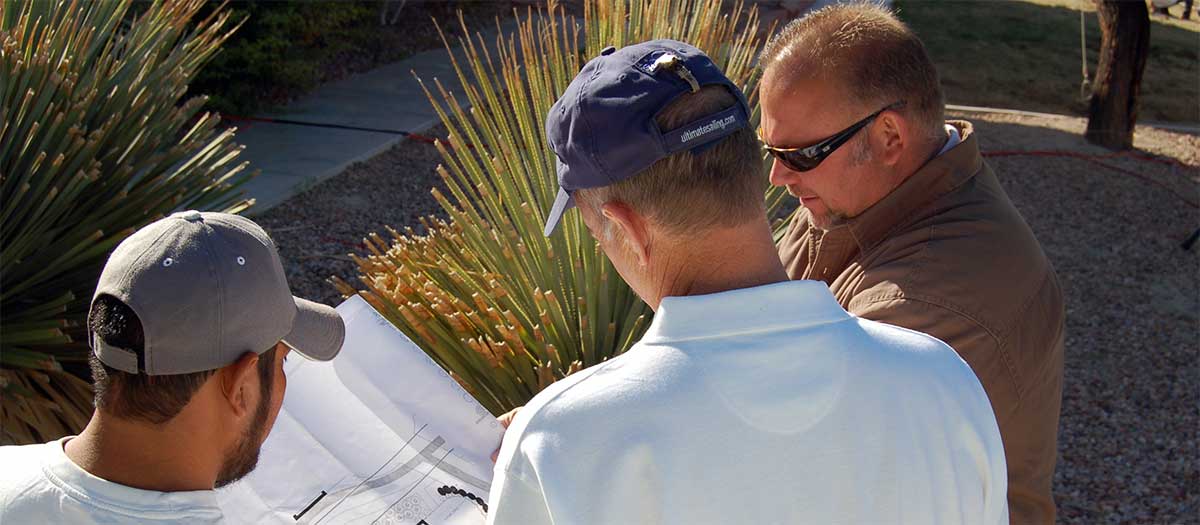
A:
(908, 225)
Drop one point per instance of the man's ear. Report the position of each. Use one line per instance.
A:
(238, 384)
(632, 226)
(889, 134)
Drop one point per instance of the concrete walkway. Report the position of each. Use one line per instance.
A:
(295, 158)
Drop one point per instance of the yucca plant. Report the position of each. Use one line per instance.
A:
(97, 139)
(504, 309)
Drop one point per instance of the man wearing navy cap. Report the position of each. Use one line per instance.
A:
(750, 399)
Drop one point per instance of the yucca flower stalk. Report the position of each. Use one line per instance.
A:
(97, 139)
(504, 309)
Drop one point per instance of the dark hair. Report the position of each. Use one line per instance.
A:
(870, 53)
(154, 399)
(721, 186)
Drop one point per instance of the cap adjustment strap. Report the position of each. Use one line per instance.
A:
(116, 357)
(672, 63)
(699, 134)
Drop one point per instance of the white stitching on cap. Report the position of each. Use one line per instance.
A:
(241, 261)
(168, 262)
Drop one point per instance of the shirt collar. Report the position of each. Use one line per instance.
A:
(771, 307)
(952, 139)
(951, 168)
(200, 505)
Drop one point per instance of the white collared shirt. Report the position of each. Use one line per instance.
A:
(40, 484)
(763, 405)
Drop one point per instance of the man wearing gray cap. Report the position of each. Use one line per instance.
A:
(751, 398)
(189, 326)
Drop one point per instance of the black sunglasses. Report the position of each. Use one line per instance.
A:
(807, 158)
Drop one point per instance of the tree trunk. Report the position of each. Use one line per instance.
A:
(1124, 45)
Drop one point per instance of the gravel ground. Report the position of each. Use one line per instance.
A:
(318, 228)
(1128, 436)
(1128, 433)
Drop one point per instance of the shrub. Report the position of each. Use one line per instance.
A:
(97, 140)
(286, 49)
(279, 51)
(504, 309)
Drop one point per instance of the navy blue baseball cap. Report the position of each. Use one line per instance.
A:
(603, 130)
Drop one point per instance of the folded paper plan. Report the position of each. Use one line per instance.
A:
(381, 434)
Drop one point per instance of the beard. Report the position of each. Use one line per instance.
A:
(859, 154)
(831, 219)
(244, 457)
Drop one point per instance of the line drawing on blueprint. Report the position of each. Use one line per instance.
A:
(410, 488)
(380, 435)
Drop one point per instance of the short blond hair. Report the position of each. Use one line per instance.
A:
(720, 186)
(869, 52)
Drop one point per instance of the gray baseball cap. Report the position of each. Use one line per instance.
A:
(209, 287)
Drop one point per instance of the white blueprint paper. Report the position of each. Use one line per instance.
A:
(382, 430)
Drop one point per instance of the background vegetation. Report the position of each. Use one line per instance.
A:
(285, 49)
(1026, 55)
(98, 138)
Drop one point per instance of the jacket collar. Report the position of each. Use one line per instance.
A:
(939, 176)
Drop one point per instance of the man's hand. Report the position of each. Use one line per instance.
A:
(505, 420)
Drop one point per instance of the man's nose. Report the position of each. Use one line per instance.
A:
(781, 175)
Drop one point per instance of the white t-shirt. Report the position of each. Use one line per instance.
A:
(40, 484)
(762, 405)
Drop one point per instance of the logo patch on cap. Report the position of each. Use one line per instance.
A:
(651, 63)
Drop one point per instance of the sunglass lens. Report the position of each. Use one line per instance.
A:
(797, 161)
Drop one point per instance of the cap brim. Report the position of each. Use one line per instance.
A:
(318, 331)
(562, 203)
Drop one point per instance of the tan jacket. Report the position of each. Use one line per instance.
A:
(946, 253)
